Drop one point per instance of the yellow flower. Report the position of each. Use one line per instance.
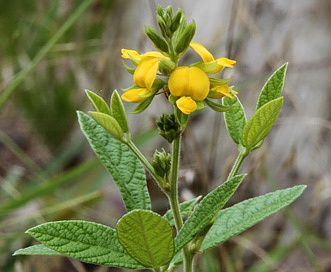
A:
(145, 72)
(190, 84)
(135, 95)
(210, 64)
(217, 92)
(136, 58)
(186, 104)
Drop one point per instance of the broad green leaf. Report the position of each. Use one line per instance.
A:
(118, 111)
(236, 219)
(206, 210)
(125, 168)
(147, 237)
(273, 87)
(86, 241)
(109, 123)
(98, 103)
(184, 207)
(259, 125)
(37, 250)
(235, 118)
(216, 106)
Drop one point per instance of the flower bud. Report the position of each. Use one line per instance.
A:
(176, 20)
(156, 39)
(186, 38)
(163, 27)
(166, 66)
(160, 10)
(168, 127)
(161, 163)
(168, 14)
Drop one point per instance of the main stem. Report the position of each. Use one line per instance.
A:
(173, 198)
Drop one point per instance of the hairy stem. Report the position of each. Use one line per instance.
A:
(173, 199)
(243, 153)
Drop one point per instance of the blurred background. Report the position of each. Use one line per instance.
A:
(51, 51)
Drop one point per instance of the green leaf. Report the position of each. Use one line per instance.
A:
(236, 219)
(109, 123)
(235, 118)
(98, 103)
(184, 207)
(118, 111)
(259, 125)
(216, 106)
(37, 250)
(147, 237)
(86, 241)
(273, 87)
(206, 210)
(125, 168)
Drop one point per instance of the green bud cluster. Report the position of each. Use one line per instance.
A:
(176, 34)
(161, 163)
(168, 127)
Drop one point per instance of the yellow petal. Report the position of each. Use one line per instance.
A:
(135, 95)
(154, 54)
(202, 51)
(220, 91)
(189, 81)
(145, 72)
(133, 55)
(186, 104)
(225, 62)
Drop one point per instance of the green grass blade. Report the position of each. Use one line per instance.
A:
(25, 72)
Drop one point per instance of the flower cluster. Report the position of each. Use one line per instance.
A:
(187, 87)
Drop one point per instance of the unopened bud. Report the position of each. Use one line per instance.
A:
(168, 127)
(161, 163)
(166, 66)
(176, 20)
(156, 39)
(186, 38)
